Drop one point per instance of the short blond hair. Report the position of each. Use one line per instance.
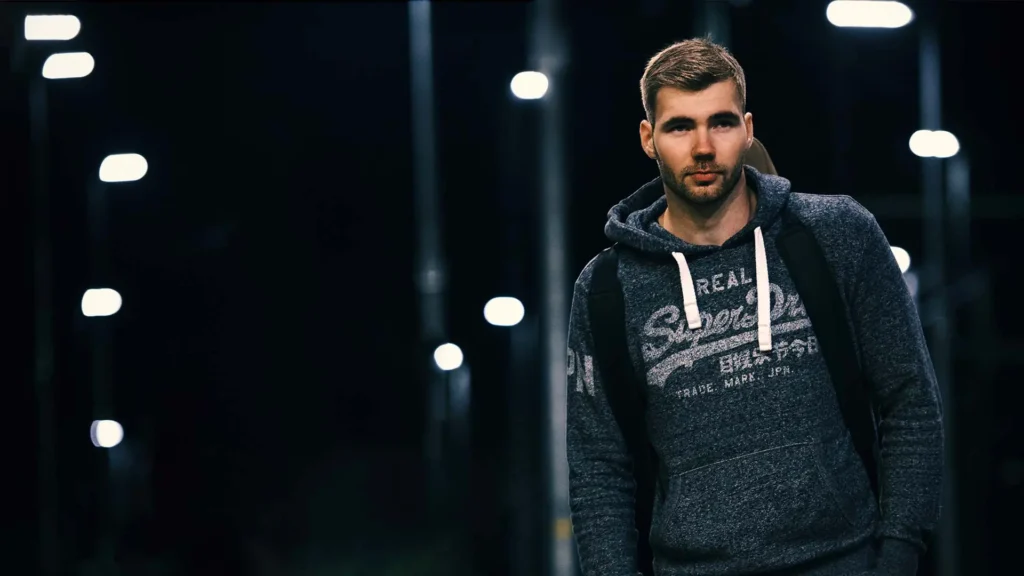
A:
(690, 65)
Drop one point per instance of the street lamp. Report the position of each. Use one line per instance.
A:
(44, 28)
(101, 302)
(51, 27)
(934, 144)
(106, 433)
(65, 65)
(902, 258)
(504, 311)
(868, 14)
(448, 357)
(529, 85)
(123, 168)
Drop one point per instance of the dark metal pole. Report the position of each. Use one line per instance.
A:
(947, 544)
(525, 545)
(42, 264)
(958, 195)
(522, 393)
(100, 334)
(459, 466)
(548, 54)
(713, 18)
(430, 269)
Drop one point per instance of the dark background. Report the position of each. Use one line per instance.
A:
(267, 368)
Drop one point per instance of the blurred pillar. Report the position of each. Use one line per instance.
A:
(522, 392)
(548, 55)
(946, 545)
(459, 464)
(42, 266)
(525, 483)
(100, 335)
(958, 201)
(841, 96)
(712, 17)
(430, 270)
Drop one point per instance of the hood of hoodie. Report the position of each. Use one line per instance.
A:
(634, 221)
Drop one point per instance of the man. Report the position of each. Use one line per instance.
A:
(758, 471)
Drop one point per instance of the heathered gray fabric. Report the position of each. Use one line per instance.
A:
(762, 474)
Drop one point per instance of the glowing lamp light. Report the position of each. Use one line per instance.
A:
(868, 14)
(902, 258)
(52, 27)
(65, 65)
(100, 302)
(106, 433)
(504, 311)
(123, 168)
(448, 357)
(529, 85)
(934, 144)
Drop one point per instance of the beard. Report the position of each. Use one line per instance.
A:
(693, 193)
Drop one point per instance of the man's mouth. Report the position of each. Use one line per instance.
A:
(704, 176)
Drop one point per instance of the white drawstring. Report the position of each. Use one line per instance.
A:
(689, 294)
(764, 294)
(764, 317)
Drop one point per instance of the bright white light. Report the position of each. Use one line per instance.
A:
(448, 356)
(106, 433)
(68, 65)
(100, 302)
(934, 144)
(123, 168)
(52, 27)
(529, 85)
(902, 258)
(912, 283)
(944, 144)
(868, 14)
(504, 311)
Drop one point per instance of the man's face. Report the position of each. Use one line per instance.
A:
(699, 140)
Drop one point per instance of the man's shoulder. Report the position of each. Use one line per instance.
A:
(584, 282)
(829, 210)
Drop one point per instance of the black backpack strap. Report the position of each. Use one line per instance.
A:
(625, 391)
(822, 299)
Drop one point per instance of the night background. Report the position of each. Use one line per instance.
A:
(272, 362)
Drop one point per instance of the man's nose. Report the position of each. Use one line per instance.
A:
(702, 148)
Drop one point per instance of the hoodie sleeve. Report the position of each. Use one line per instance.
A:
(908, 407)
(601, 487)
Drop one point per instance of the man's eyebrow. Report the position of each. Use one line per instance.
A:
(725, 115)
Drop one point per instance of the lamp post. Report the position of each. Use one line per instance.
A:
(104, 303)
(932, 145)
(43, 30)
(548, 55)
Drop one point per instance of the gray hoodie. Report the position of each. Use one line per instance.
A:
(762, 475)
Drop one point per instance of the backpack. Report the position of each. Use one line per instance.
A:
(626, 389)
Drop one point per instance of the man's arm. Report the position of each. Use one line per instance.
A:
(601, 486)
(898, 366)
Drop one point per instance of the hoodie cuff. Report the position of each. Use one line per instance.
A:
(897, 558)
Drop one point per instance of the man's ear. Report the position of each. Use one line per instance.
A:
(748, 120)
(647, 139)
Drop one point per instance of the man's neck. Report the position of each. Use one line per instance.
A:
(710, 224)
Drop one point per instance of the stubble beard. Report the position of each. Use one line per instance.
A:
(701, 195)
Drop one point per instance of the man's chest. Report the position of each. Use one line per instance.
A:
(722, 356)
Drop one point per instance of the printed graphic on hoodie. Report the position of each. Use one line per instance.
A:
(727, 337)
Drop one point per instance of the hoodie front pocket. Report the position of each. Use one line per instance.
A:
(777, 498)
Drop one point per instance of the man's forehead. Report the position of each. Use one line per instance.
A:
(719, 97)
